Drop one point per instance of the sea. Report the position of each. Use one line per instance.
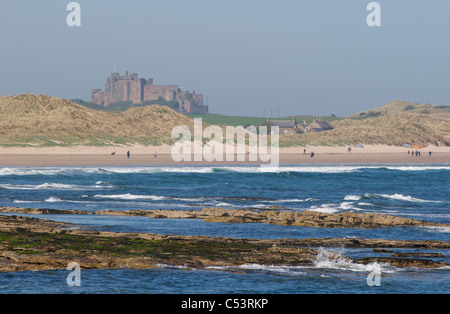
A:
(416, 191)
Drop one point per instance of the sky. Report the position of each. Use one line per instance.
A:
(248, 57)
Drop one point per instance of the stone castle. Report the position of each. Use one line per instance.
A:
(137, 90)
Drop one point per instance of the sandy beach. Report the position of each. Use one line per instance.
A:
(145, 155)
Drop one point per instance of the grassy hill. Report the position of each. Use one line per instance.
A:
(399, 106)
(396, 123)
(40, 120)
(395, 129)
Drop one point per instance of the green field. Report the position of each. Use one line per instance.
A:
(217, 119)
(212, 119)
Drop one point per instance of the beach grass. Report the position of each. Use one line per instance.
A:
(45, 121)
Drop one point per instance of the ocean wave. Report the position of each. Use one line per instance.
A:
(327, 168)
(352, 197)
(231, 169)
(332, 208)
(395, 196)
(348, 206)
(436, 229)
(291, 169)
(27, 171)
(365, 204)
(282, 269)
(24, 202)
(176, 169)
(400, 197)
(129, 196)
(337, 261)
(325, 208)
(293, 200)
(24, 171)
(6, 171)
(53, 186)
(325, 260)
(224, 204)
(418, 168)
(53, 199)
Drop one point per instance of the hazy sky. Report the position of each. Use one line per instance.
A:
(248, 57)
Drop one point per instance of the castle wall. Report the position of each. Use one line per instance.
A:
(132, 88)
(98, 96)
(153, 92)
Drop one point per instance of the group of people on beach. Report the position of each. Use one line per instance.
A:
(417, 153)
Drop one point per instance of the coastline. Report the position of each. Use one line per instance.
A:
(144, 155)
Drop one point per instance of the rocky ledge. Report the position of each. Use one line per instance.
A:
(280, 217)
(37, 244)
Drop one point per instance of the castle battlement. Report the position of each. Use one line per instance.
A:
(137, 90)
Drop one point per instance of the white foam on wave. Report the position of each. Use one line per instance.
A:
(22, 171)
(348, 206)
(239, 169)
(188, 199)
(285, 270)
(401, 197)
(53, 199)
(129, 196)
(295, 200)
(211, 169)
(329, 208)
(52, 186)
(365, 204)
(157, 169)
(337, 261)
(325, 260)
(26, 171)
(417, 168)
(332, 208)
(24, 202)
(332, 168)
(225, 204)
(352, 197)
(436, 229)
(281, 169)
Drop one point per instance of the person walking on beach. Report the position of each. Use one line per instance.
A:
(128, 154)
(312, 154)
(155, 153)
(429, 153)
